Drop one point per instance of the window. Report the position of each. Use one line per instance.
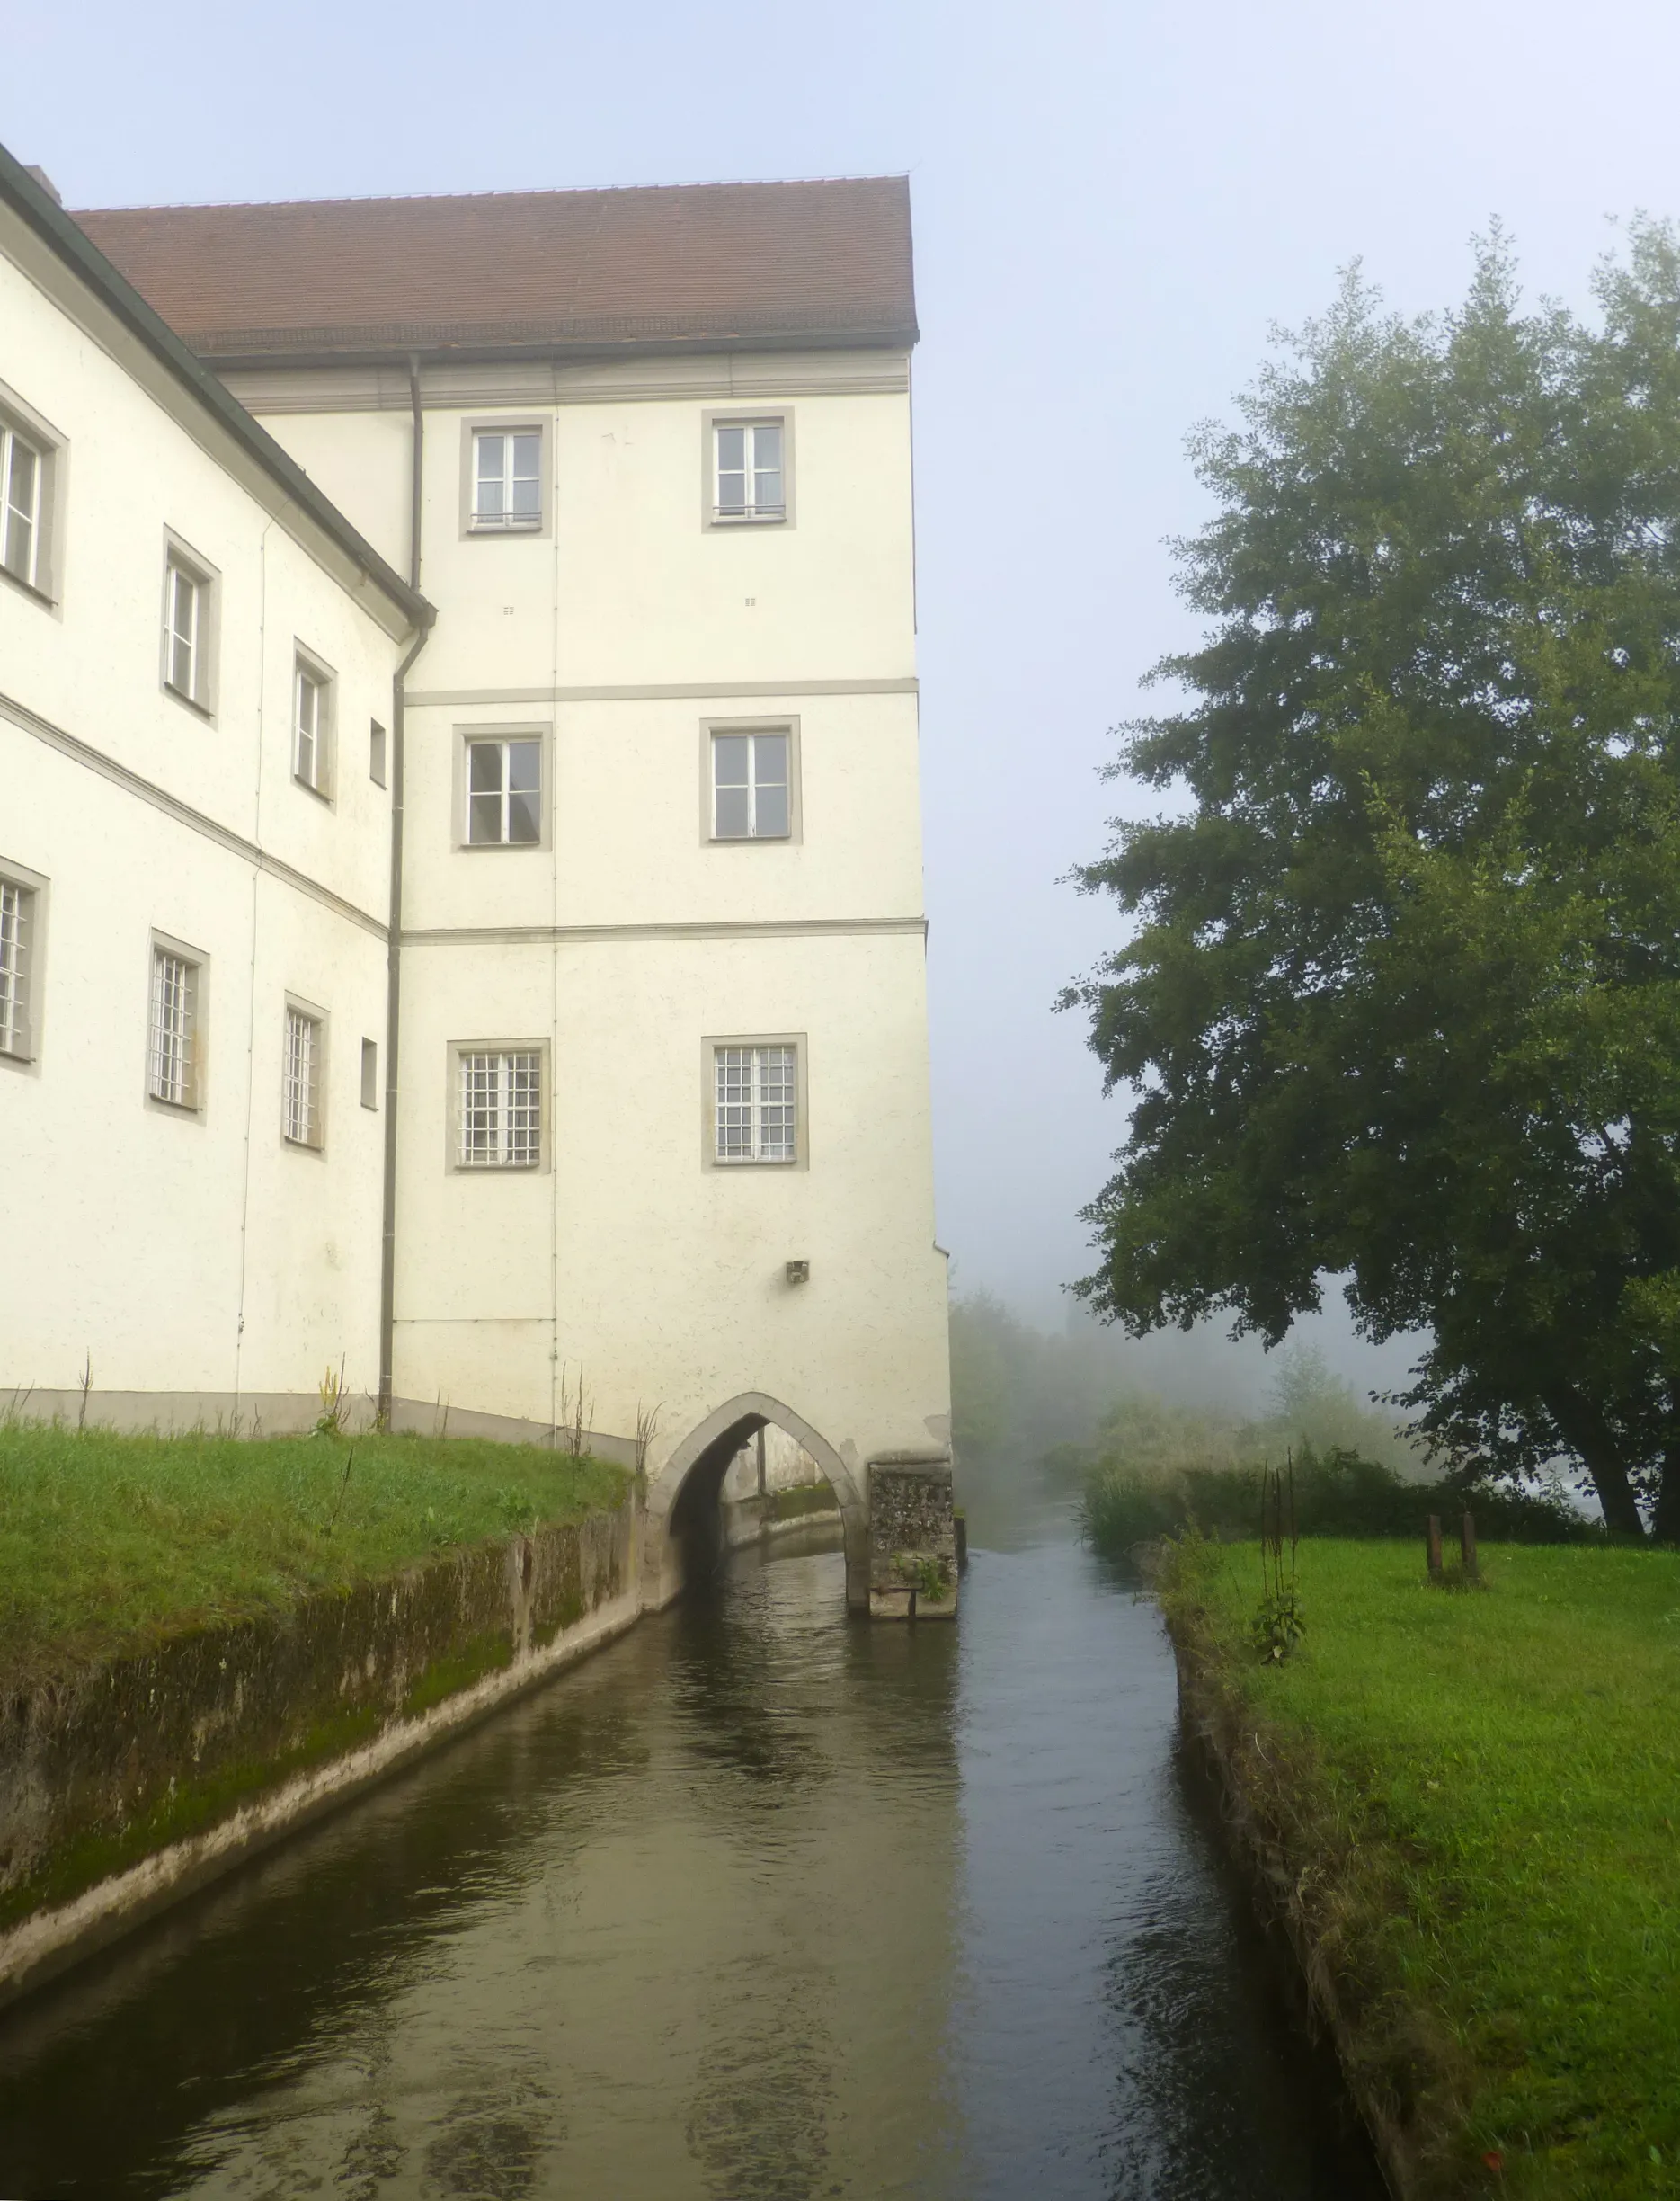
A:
(756, 1103)
(17, 959)
(507, 481)
(312, 727)
(376, 753)
(501, 1108)
(750, 786)
(370, 1073)
(173, 1044)
(504, 778)
(301, 1077)
(190, 591)
(749, 472)
(23, 472)
(32, 495)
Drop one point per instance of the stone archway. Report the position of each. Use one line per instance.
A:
(692, 1474)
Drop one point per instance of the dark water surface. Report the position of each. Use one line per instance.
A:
(758, 1902)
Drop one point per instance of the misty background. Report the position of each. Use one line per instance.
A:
(1113, 205)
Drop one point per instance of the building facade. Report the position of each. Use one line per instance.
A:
(660, 1158)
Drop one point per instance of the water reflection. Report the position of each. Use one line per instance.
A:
(760, 1902)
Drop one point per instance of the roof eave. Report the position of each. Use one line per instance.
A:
(354, 352)
(19, 191)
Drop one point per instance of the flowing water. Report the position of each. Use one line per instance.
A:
(760, 1901)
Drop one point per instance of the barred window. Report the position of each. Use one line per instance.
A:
(17, 926)
(757, 1094)
(504, 793)
(747, 475)
(300, 1098)
(507, 480)
(173, 1046)
(501, 1109)
(20, 472)
(750, 787)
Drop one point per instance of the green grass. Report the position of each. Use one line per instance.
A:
(1499, 1771)
(109, 1543)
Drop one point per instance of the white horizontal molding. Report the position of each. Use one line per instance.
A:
(722, 928)
(144, 790)
(661, 691)
(719, 379)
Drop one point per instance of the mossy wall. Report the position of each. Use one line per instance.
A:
(103, 1770)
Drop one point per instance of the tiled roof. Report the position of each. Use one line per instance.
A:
(672, 267)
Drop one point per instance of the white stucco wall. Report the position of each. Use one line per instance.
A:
(618, 633)
(150, 1231)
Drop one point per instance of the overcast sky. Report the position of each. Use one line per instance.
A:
(1113, 204)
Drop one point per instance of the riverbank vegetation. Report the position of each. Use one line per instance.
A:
(1463, 1806)
(108, 1542)
(1129, 1501)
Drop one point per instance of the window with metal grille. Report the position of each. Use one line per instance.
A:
(21, 468)
(310, 729)
(507, 480)
(17, 924)
(183, 605)
(300, 1090)
(757, 1103)
(504, 793)
(748, 476)
(501, 1109)
(750, 787)
(172, 1048)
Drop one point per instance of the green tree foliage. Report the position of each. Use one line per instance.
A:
(1401, 999)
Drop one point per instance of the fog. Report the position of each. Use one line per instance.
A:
(1113, 204)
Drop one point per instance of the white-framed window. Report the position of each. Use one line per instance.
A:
(375, 752)
(749, 470)
(507, 486)
(302, 1077)
(22, 484)
(755, 1112)
(504, 790)
(18, 906)
(499, 1108)
(312, 727)
(174, 1049)
(752, 784)
(370, 1073)
(183, 603)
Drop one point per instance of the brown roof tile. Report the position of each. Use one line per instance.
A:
(680, 267)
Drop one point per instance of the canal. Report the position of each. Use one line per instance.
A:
(758, 1902)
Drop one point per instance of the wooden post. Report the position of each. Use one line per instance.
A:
(1434, 1548)
(1467, 1546)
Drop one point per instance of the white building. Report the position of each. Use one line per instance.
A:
(655, 1024)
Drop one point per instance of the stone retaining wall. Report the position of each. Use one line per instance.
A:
(124, 1786)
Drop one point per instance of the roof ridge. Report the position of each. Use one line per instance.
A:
(535, 191)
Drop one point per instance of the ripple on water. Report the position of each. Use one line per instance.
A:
(760, 1901)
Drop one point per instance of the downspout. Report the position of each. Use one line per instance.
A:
(393, 930)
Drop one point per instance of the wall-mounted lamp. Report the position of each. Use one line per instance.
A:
(799, 1272)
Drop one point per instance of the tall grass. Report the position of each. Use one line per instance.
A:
(1336, 1493)
(108, 1542)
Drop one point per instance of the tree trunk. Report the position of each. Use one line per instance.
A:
(1594, 1443)
(1666, 1522)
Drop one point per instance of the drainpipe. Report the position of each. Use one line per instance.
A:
(394, 931)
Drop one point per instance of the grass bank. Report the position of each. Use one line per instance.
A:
(1464, 1807)
(109, 1543)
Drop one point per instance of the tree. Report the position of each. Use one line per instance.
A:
(1401, 1000)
